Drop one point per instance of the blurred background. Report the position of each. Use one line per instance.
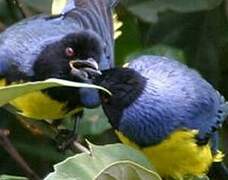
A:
(194, 32)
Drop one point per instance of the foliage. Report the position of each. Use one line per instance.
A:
(11, 92)
(149, 10)
(6, 177)
(105, 163)
(57, 6)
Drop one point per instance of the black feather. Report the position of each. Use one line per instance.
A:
(125, 85)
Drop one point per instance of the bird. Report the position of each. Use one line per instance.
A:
(168, 111)
(74, 45)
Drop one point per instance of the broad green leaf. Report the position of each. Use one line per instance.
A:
(94, 122)
(88, 166)
(58, 6)
(148, 10)
(127, 170)
(38, 5)
(11, 92)
(7, 177)
(160, 50)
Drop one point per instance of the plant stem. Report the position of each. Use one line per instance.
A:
(7, 145)
(2, 27)
(20, 7)
(80, 147)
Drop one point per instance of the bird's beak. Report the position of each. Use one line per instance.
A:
(84, 69)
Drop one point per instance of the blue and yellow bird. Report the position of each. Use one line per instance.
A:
(169, 112)
(74, 45)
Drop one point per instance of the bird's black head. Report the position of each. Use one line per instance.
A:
(74, 57)
(126, 85)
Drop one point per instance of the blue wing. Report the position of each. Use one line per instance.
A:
(216, 122)
(175, 97)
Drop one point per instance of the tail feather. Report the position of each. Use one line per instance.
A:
(218, 170)
(223, 110)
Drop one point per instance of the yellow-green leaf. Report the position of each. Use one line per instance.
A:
(102, 160)
(7, 177)
(58, 6)
(127, 170)
(11, 92)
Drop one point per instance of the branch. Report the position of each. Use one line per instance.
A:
(21, 8)
(7, 145)
(2, 27)
(80, 147)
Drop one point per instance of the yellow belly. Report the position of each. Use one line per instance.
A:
(178, 155)
(40, 106)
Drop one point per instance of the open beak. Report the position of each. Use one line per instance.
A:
(84, 69)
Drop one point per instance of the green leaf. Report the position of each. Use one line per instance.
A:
(161, 50)
(58, 6)
(127, 170)
(11, 92)
(7, 177)
(148, 10)
(41, 5)
(94, 122)
(129, 41)
(101, 159)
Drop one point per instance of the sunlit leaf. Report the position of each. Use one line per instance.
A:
(11, 92)
(7, 177)
(127, 170)
(58, 6)
(100, 159)
(117, 25)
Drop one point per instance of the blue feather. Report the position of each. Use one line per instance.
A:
(175, 97)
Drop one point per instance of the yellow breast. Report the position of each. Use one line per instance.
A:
(178, 155)
(40, 106)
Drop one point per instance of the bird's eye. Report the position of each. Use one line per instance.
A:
(69, 52)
